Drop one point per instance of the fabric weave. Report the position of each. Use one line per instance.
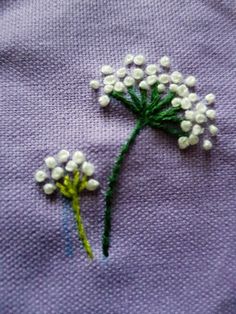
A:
(173, 245)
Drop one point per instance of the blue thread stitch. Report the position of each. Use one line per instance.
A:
(66, 218)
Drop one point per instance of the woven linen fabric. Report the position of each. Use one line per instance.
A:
(173, 240)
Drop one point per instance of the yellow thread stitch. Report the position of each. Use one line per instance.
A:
(80, 227)
(70, 190)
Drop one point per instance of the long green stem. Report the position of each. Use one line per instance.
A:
(80, 226)
(112, 181)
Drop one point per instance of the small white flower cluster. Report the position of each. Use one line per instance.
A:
(198, 117)
(135, 73)
(55, 168)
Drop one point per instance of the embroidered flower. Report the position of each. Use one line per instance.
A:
(69, 176)
(160, 99)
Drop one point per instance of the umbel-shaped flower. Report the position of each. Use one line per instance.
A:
(160, 99)
(69, 176)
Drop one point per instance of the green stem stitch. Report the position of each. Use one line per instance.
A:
(112, 181)
(80, 226)
(153, 111)
(70, 188)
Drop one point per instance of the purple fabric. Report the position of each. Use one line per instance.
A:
(173, 247)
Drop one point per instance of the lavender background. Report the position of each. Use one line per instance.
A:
(174, 227)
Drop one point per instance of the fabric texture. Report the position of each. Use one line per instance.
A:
(173, 245)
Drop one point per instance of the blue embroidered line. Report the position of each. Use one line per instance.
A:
(66, 219)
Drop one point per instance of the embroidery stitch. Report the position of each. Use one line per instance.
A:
(66, 217)
(70, 178)
(157, 99)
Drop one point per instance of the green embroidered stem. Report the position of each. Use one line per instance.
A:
(112, 184)
(71, 188)
(80, 226)
(152, 110)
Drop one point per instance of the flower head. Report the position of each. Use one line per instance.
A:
(65, 173)
(161, 98)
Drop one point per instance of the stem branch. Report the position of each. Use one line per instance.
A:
(80, 226)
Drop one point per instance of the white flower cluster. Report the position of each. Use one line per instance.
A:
(198, 119)
(55, 168)
(136, 73)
